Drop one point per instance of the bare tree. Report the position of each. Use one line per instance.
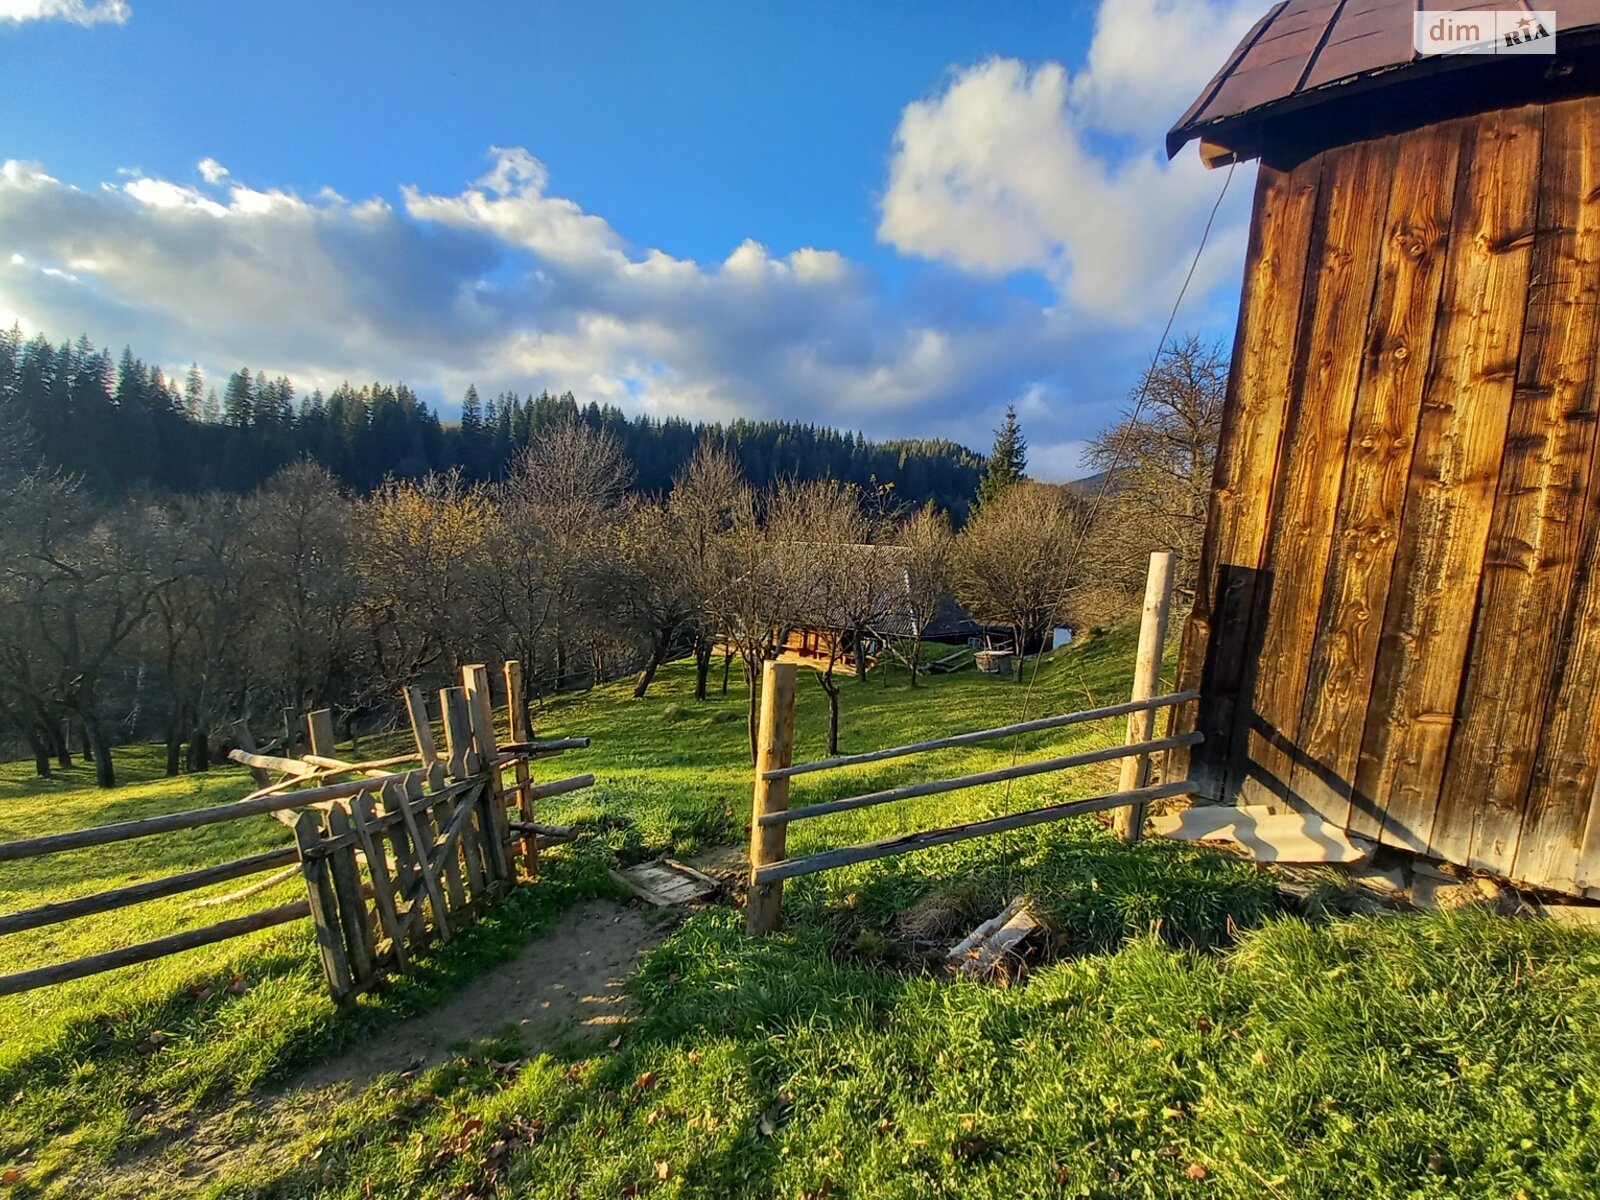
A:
(199, 628)
(708, 502)
(653, 589)
(1157, 466)
(562, 501)
(422, 558)
(301, 546)
(930, 551)
(1014, 563)
(80, 586)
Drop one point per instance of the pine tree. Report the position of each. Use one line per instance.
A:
(1008, 461)
(238, 399)
(194, 390)
(471, 412)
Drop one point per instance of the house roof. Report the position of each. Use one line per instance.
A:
(1311, 52)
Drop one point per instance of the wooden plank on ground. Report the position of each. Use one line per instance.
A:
(1214, 652)
(1372, 500)
(1450, 491)
(1348, 230)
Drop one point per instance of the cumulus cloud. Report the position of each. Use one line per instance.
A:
(78, 12)
(1013, 167)
(506, 283)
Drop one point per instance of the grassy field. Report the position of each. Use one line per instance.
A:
(1193, 1038)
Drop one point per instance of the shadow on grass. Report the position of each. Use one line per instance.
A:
(1099, 891)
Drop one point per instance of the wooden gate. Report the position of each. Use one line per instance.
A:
(391, 859)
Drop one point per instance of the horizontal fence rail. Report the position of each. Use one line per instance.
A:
(825, 860)
(771, 816)
(999, 775)
(982, 735)
(427, 855)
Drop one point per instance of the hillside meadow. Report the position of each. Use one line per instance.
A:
(1193, 1037)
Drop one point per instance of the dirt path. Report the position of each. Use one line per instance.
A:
(564, 987)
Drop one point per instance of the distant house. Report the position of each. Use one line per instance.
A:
(854, 629)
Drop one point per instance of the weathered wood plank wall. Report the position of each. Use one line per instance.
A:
(1397, 623)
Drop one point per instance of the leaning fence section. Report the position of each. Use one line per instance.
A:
(771, 813)
(407, 852)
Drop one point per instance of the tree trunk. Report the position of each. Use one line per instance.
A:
(63, 748)
(750, 679)
(727, 666)
(84, 742)
(825, 678)
(916, 658)
(860, 651)
(1016, 658)
(41, 753)
(105, 774)
(645, 676)
(702, 668)
(199, 750)
(174, 748)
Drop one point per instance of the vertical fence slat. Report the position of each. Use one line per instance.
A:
(421, 730)
(1146, 683)
(324, 908)
(420, 827)
(440, 814)
(353, 914)
(383, 892)
(521, 731)
(774, 749)
(496, 829)
(457, 733)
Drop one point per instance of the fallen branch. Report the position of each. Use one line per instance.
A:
(254, 889)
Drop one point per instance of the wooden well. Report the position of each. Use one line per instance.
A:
(1397, 623)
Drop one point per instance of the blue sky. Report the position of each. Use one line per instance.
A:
(896, 217)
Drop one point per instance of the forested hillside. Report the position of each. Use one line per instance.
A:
(124, 425)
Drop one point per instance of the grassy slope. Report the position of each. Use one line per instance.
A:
(1398, 1056)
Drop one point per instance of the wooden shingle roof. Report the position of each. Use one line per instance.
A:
(1308, 52)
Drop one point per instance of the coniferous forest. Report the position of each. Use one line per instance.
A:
(122, 425)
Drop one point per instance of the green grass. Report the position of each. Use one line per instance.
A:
(1190, 1028)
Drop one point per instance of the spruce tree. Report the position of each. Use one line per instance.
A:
(1008, 461)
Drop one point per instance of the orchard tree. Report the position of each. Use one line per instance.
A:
(1014, 562)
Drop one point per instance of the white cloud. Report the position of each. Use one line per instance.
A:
(1029, 168)
(211, 170)
(78, 12)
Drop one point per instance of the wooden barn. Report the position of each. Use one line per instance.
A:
(1397, 624)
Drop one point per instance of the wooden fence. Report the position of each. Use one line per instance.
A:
(391, 859)
(771, 815)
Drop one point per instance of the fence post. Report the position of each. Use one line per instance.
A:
(320, 726)
(763, 910)
(522, 731)
(1146, 684)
